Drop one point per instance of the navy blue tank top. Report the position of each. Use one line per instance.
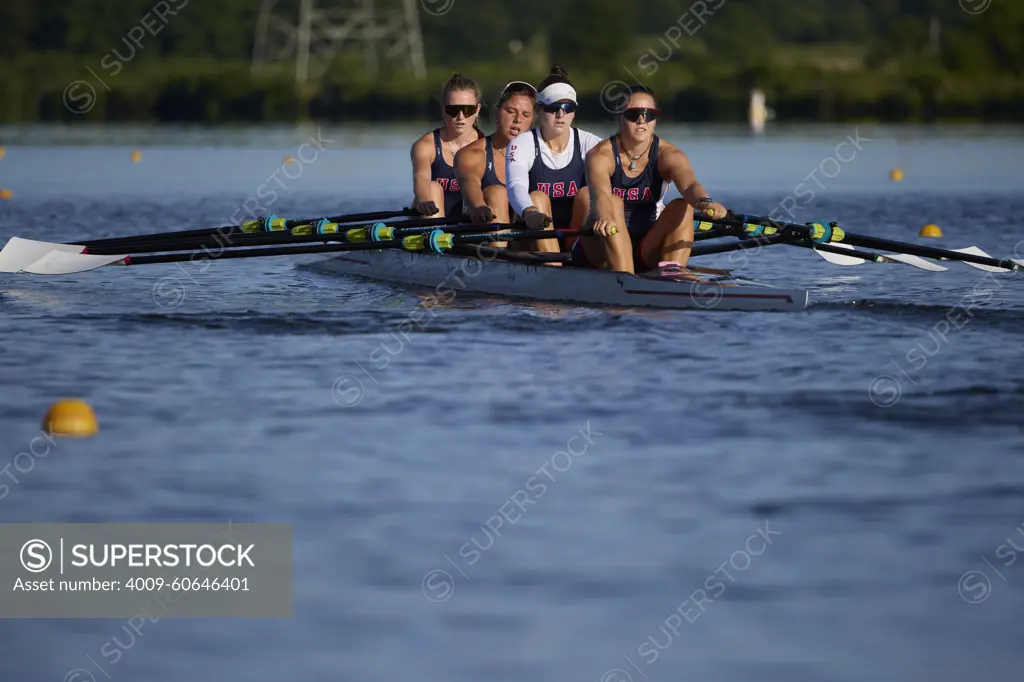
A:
(561, 184)
(640, 195)
(490, 176)
(443, 173)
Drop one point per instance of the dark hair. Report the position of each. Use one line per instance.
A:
(460, 83)
(556, 75)
(515, 89)
(637, 89)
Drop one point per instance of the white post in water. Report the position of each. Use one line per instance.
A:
(758, 112)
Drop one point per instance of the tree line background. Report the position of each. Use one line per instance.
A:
(824, 60)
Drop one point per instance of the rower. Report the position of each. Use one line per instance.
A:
(627, 177)
(546, 167)
(481, 179)
(436, 190)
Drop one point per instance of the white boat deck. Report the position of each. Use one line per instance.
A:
(449, 275)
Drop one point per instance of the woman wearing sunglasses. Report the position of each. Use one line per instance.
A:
(482, 180)
(436, 190)
(627, 177)
(546, 167)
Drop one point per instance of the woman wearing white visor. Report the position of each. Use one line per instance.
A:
(545, 168)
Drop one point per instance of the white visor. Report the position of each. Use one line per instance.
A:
(555, 92)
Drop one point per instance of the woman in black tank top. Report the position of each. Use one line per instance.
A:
(480, 165)
(627, 176)
(436, 189)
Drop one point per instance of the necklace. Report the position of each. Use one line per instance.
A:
(633, 159)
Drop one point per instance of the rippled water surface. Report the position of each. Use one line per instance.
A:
(836, 494)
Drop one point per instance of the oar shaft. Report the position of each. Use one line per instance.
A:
(739, 221)
(215, 244)
(237, 229)
(347, 246)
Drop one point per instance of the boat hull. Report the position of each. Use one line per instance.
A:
(449, 275)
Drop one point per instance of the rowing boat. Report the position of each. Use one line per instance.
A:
(451, 274)
(454, 258)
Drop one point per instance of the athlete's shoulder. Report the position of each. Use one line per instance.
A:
(424, 140)
(603, 146)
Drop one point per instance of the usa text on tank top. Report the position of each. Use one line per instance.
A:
(642, 193)
(559, 183)
(443, 174)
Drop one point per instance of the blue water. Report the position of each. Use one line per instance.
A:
(841, 483)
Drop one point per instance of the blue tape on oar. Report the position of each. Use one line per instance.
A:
(433, 241)
(822, 231)
(321, 224)
(267, 222)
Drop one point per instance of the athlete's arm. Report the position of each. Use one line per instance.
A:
(469, 169)
(600, 166)
(422, 156)
(518, 162)
(674, 164)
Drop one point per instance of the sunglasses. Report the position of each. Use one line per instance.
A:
(564, 107)
(633, 115)
(454, 110)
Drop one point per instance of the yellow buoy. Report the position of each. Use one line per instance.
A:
(896, 175)
(2, 152)
(6, 194)
(136, 156)
(931, 231)
(70, 417)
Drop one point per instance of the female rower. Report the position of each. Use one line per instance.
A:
(629, 195)
(546, 167)
(482, 180)
(435, 186)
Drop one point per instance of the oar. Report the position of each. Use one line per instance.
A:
(325, 232)
(837, 254)
(264, 224)
(824, 233)
(64, 263)
(19, 253)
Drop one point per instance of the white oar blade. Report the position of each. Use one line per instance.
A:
(975, 251)
(915, 261)
(839, 259)
(19, 253)
(64, 263)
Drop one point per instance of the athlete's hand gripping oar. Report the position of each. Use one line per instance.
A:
(823, 233)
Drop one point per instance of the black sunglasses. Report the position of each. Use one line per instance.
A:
(564, 107)
(454, 110)
(633, 115)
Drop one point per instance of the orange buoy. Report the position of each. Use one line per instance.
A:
(3, 152)
(896, 175)
(289, 159)
(931, 231)
(70, 417)
(136, 156)
(6, 194)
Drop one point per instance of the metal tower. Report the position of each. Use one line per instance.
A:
(327, 27)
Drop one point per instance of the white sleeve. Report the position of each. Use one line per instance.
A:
(587, 141)
(518, 162)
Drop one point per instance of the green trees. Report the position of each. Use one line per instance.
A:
(830, 58)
